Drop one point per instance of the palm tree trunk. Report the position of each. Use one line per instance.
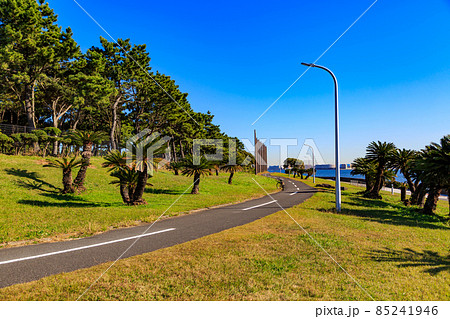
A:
(230, 179)
(431, 202)
(81, 176)
(196, 187)
(415, 195)
(403, 194)
(410, 183)
(67, 181)
(140, 188)
(375, 192)
(124, 193)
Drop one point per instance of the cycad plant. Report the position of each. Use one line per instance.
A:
(196, 170)
(66, 164)
(380, 153)
(402, 160)
(86, 139)
(142, 153)
(175, 166)
(363, 166)
(434, 171)
(116, 162)
(232, 169)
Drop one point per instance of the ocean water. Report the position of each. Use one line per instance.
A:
(344, 173)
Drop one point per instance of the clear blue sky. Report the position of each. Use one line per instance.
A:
(235, 58)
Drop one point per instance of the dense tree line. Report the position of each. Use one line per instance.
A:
(47, 82)
(87, 103)
(427, 172)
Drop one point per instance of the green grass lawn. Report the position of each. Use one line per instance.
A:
(32, 208)
(392, 251)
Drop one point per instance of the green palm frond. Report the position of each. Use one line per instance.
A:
(190, 169)
(64, 163)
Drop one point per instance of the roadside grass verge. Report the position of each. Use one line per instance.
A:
(32, 208)
(393, 254)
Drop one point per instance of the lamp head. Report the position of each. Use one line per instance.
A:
(308, 64)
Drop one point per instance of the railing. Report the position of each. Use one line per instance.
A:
(9, 129)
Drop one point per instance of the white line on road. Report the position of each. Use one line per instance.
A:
(260, 205)
(83, 247)
(293, 193)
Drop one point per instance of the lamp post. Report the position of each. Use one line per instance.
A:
(336, 134)
(314, 165)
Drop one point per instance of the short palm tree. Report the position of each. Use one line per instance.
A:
(192, 169)
(232, 169)
(363, 166)
(142, 153)
(434, 171)
(66, 165)
(175, 166)
(86, 139)
(116, 162)
(127, 179)
(402, 161)
(381, 153)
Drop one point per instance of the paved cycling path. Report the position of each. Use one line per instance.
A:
(28, 263)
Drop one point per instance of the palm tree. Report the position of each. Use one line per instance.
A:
(143, 152)
(127, 181)
(402, 161)
(190, 169)
(363, 166)
(87, 139)
(231, 168)
(66, 165)
(116, 162)
(381, 154)
(309, 172)
(175, 166)
(434, 171)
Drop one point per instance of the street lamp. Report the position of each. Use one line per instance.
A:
(314, 166)
(336, 134)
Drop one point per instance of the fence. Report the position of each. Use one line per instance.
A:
(9, 129)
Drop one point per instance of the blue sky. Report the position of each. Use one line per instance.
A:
(235, 58)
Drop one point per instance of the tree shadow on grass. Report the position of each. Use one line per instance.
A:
(389, 213)
(34, 180)
(162, 191)
(48, 190)
(411, 258)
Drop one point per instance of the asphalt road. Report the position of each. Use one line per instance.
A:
(28, 263)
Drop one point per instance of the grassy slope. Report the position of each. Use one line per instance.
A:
(391, 251)
(31, 207)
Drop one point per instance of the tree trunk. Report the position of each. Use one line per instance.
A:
(140, 188)
(230, 179)
(196, 187)
(448, 200)
(375, 193)
(410, 183)
(124, 193)
(174, 151)
(415, 195)
(181, 149)
(112, 132)
(217, 171)
(368, 186)
(85, 162)
(403, 194)
(67, 181)
(431, 202)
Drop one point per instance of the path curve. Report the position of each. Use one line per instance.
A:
(28, 263)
